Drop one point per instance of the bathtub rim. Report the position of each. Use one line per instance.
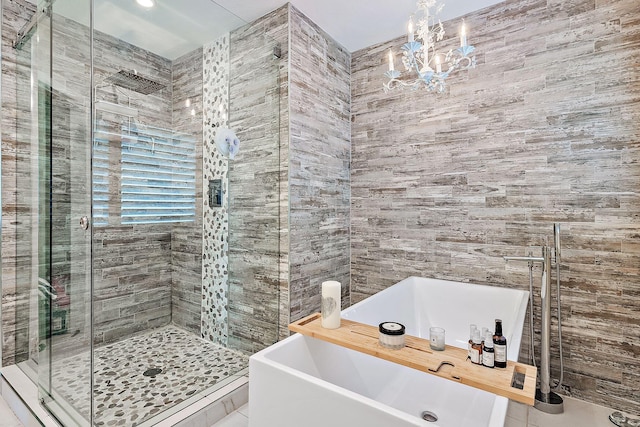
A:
(496, 417)
(513, 343)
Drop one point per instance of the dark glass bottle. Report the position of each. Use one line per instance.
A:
(499, 346)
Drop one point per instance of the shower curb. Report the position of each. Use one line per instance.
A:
(21, 394)
(212, 408)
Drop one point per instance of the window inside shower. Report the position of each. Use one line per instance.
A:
(133, 297)
(156, 180)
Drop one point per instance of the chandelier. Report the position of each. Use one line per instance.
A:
(422, 62)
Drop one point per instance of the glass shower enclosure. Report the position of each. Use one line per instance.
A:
(142, 246)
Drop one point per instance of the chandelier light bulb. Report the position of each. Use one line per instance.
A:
(463, 35)
(410, 35)
(146, 3)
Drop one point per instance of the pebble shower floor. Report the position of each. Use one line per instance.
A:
(124, 395)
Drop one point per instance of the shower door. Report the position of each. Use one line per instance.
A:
(60, 113)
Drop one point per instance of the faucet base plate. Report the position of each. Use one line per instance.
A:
(550, 403)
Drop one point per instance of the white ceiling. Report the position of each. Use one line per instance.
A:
(355, 24)
(175, 27)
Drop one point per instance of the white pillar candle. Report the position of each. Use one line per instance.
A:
(410, 31)
(463, 36)
(390, 60)
(331, 295)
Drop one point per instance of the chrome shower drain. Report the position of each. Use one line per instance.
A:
(429, 416)
(152, 372)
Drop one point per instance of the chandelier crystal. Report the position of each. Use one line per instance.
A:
(422, 62)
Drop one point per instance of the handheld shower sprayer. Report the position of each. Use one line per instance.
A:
(556, 242)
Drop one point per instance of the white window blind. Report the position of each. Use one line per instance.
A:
(158, 176)
(101, 176)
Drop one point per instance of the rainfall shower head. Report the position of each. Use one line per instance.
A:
(133, 81)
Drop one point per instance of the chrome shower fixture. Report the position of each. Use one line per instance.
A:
(546, 400)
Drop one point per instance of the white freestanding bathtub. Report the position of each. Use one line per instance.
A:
(302, 381)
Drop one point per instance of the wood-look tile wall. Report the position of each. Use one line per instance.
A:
(132, 269)
(16, 208)
(275, 26)
(319, 150)
(132, 292)
(254, 193)
(544, 130)
(314, 163)
(186, 239)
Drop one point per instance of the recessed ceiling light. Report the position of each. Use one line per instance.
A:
(146, 3)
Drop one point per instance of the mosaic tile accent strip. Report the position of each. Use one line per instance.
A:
(215, 261)
(184, 365)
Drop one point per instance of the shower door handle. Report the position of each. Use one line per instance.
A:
(84, 223)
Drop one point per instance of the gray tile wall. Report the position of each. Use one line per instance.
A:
(254, 193)
(132, 264)
(186, 239)
(276, 26)
(544, 130)
(133, 292)
(22, 189)
(16, 206)
(319, 149)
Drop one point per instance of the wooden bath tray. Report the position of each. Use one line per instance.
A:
(517, 381)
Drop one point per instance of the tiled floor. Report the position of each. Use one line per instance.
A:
(239, 418)
(125, 388)
(576, 413)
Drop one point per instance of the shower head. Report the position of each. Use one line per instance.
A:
(133, 81)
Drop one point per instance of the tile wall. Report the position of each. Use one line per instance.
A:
(544, 130)
(215, 251)
(16, 207)
(254, 189)
(319, 154)
(132, 291)
(186, 239)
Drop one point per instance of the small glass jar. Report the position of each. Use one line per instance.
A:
(391, 335)
(436, 337)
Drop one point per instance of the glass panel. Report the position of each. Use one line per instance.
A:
(172, 304)
(162, 313)
(64, 239)
(25, 252)
(254, 198)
